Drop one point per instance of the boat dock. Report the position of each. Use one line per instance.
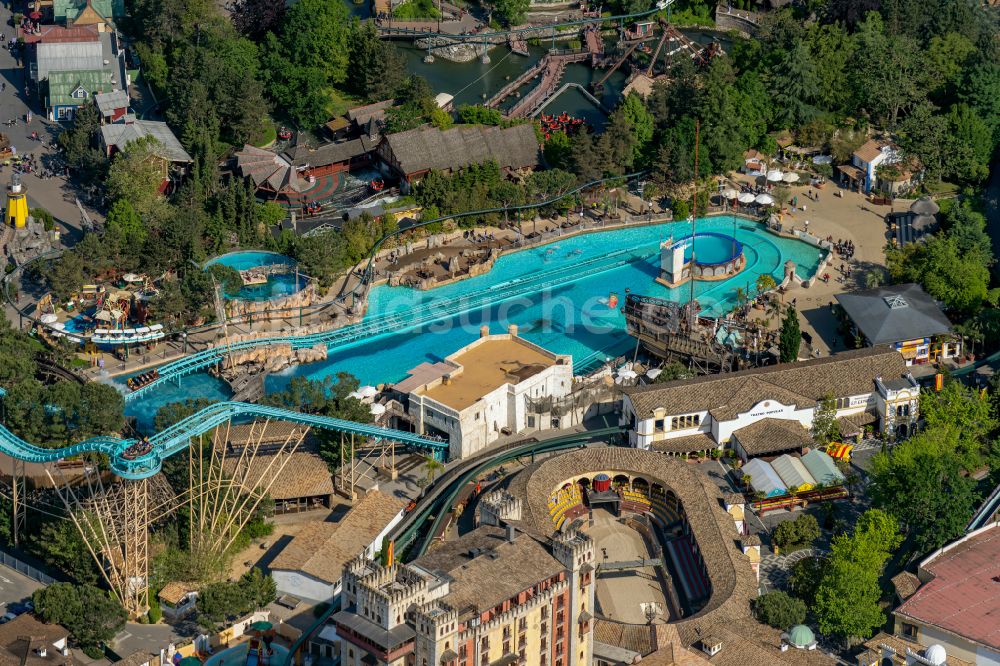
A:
(549, 70)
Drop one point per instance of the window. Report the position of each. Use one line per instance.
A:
(842, 403)
(659, 425)
(531, 421)
(544, 643)
(903, 410)
(909, 630)
(477, 416)
(684, 422)
(506, 647)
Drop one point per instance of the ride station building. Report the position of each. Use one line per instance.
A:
(746, 409)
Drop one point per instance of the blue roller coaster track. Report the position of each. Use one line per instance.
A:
(174, 439)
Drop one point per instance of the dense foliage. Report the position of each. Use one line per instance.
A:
(90, 614)
(779, 610)
(228, 600)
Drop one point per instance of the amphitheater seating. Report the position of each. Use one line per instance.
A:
(567, 503)
(634, 500)
(691, 574)
(666, 511)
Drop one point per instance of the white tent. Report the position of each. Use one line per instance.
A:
(377, 409)
(730, 193)
(368, 391)
(790, 177)
(774, 175)
(764, 199)
(746, 197)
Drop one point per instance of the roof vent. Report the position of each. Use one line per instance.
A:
(895, 302)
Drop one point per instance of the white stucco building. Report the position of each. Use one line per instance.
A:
(769, 411)
(310, 565)
(480, 392)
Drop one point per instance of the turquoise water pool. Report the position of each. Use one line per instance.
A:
(569, 318)
(712, 248)
(279, 284)
(237, 656)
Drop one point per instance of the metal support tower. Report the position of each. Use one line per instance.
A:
(19, 499)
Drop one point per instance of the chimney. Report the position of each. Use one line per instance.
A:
(43, 652)
(511, 533)
(484, 331)
(512, 329)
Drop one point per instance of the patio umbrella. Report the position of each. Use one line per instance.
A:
(49, 319)
(259, 625)
(790, 177)
(924, 206)
(764, 199)
(377, 409)
(730, 193)
(368, 391)
(189, 661)
(132, 277)
(653, 373)
(746, 197)
(59, 326)
(774, 175)
(627, 374)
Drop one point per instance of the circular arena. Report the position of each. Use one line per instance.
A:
(667, 551)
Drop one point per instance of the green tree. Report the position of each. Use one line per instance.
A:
(60, 545)
(825, 428)
(965, 411)
(480, 115)
(125, 224)
(91, 616)
(672, 371)
(887, 79)
(778, 610)
(790, 338)
(309, 58)
(641, 122)
(801, 531)
(376, 66)
(922, 483)
(558, 150)
(511, 12)
(847, 599)
(805, 578)
(970, 147)
(260, 589)
(221, 602)
(174, 412)
(136, 175)
(795, 86)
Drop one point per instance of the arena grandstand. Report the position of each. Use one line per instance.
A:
(653, 517)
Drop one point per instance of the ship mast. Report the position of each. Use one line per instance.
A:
(694, 218)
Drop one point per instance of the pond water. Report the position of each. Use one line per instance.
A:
(277, 284)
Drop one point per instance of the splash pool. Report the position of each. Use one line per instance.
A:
(278, 284)
(237, 656)
(572, 317)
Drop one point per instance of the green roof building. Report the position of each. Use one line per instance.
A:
(68, 91)
(70, 12)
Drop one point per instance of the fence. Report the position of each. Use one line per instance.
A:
(31, 572)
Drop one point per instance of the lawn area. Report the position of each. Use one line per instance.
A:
(340, 102)
(415, 9)
(266, 135)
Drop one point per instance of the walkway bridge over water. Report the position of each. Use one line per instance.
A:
(372, 328)
(175, 439)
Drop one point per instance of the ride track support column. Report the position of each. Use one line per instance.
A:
(135, 526)
(19, 501)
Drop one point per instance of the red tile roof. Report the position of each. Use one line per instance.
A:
(52, 34)
(964, 595)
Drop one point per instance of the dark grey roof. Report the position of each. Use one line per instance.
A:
(167, 145)
(329, 153)
(924, 206)
(891, 314)
(421, 150)
(772, 436)
(109, 101)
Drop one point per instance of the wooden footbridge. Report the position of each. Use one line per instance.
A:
(549, 70)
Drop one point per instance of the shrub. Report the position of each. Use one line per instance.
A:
(802, 530)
